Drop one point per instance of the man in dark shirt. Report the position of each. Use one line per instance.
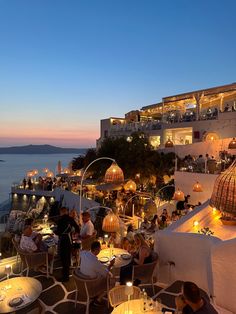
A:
(65, 226)
(192, 302)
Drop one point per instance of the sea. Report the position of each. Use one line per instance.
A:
(14, 167)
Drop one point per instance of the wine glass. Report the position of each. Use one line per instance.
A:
(8, 270)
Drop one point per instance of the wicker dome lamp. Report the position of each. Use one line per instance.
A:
(130, 186)
(223, 195)
(114, 173)
(197, 187)
(232, 144)
(169, 143)
(178, 195)
(111, 222)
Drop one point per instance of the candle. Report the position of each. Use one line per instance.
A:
(129, 290)
(8, 270)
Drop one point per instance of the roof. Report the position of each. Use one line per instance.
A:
(206, 92)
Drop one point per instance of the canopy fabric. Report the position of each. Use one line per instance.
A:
(72, 200)
(109, 187)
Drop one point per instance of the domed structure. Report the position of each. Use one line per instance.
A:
(130, 186)
(114, 174)
(224, 192)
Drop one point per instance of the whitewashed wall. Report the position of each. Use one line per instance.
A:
(223, 260)
(191, 255)
(185, 181)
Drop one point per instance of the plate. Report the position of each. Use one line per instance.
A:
(104, 259)
(126, 256)
(16, 301)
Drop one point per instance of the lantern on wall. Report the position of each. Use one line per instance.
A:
(50, 174)
(178, 195)
(197, 187)
(114, 174)
(232, 144)
(66, 170)
(130, 186)
(35, 172)
(169, 143)
(45, 170)
(111, 223)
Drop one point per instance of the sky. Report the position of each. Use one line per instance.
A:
(65, 65)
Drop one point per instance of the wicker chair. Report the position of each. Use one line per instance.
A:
(86, 288)
(86, 243)
(145, 272)
(31, 260)
(117, 295)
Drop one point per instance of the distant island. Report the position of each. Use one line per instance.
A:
(41, 149)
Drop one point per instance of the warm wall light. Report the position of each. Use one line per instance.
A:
(232, 144)
(130, 186)
(195, 223)
(169, 143)
(178, 195)
(197, 187)
(50, 174)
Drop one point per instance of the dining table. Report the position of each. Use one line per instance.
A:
(18, 292)
(122, 257)
(136, 307)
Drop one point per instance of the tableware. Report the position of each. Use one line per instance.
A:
(126, 256)
(104, 259)
(16, 301)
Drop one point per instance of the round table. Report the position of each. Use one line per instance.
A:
(133, 307)
(27, 288)
(117, 252)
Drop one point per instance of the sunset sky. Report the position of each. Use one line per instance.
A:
(65, 65)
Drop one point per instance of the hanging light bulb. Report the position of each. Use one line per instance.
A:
(197, 187)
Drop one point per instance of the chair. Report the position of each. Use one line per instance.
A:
(86, 243)
(31, 260)
(117, 295)
(87, 288)
(145, 272)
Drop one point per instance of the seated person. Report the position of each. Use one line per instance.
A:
(191, 301)
(145, 224)
(130, 233)
(174, 216)
(87, 228)
(142, 255)
(165, 213)
(154, 224)
(31, 241)
(125, 244)
(91, 267)
(115, 240)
